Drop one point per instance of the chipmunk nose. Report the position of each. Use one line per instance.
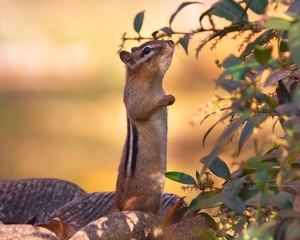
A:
(171, 43)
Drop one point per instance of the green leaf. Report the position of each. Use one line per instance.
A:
(295, 7)
(154, 34)
(292, 230)
(248, 130)
(261, 232)
(212, 127)
(219, 34)
(252, 162)
(219, 168)
(261, 177)
(245, 134)
(288, 213)
(280, 231)
(252, 64)
(180, 177)
(236, 71)
(237, 186)
(273, 186)
(294, 184)
(229, 237)
(258, 6)
(254, 200)
(271, 103)
(184, 42)
(236, 204)
(235, 8)
(278, 24)
(208, 131)
(268, 157)
(288, 109)
(262, 55)
(231, 61)
(224, 138)
(283, 47)
(138, 21)
(282, 200)
(294, 41)
(228, 9)
(167, 30)
(208, 115)
(274, 172)
(181, 7)
(296, 96)
(239, 227)
(248, 193)
(207, 160)
(286, 96)
(230, 131)
(205, 200)
(260, 40)
(231, 85)
(238, 173)
(222, 13)
(261, 98)
(197, 175)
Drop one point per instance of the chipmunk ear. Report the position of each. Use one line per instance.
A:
(127, 58)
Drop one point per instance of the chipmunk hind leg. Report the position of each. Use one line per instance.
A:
(150, 203)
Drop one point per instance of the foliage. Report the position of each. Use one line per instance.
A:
(259, 200)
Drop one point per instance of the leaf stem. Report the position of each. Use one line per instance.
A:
(245, 10)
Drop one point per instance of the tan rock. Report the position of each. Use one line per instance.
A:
(25, 232)
(122, 225)
(190, 229)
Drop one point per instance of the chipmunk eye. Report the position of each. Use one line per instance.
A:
(146, 50)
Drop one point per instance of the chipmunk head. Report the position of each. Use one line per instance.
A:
(151, 59)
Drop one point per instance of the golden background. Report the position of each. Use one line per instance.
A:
(61, 84)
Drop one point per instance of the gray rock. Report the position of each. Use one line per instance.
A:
(44, 198)
(22, 200)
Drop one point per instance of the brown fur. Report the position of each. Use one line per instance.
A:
(140, 183)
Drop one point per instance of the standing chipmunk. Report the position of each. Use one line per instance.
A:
(142, 169)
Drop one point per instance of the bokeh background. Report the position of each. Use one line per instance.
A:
(61, 86)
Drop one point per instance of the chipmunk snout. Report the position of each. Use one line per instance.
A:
(171, 43)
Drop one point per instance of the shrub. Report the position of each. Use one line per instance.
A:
(260, 200)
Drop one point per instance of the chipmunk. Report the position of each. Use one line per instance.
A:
(142, 169)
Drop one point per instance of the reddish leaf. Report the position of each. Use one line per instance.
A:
(175, 213)
(62, 230)
(279, 97)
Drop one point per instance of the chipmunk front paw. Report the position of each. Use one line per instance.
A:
(166, 100)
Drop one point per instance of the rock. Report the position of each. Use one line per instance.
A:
(25, 232)
(191, 228)
(41, 199)
(81, 211)
(122, 225)
(24, 199)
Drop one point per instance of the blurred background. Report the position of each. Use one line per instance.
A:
(61, 86)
